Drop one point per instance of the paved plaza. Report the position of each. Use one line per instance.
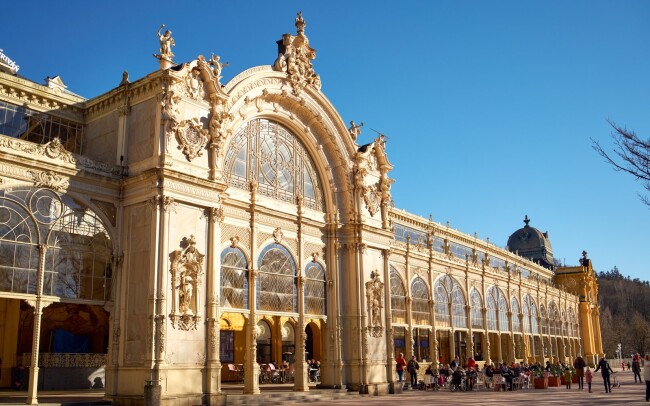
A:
(628, 394)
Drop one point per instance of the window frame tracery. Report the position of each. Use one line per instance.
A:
(316, 285)
(269, 297)
(420, 302)
(267, 152)
(78, 259)
(227, 269)
(397, 297)
(476, 313)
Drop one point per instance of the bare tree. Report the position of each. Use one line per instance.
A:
(631, 154)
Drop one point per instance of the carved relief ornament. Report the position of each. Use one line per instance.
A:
(50, 180)
(372, 199)
(192, 138)
(186, 270)
(278, 235)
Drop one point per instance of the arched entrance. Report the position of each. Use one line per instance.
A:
(56, 277)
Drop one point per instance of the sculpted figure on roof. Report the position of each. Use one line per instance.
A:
(295, 56)
(166, 44)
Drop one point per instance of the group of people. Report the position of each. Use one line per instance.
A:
(464, 376)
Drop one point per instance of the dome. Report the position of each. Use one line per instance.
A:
(529, 242)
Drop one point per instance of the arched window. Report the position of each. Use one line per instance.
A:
(315, 289)
(458, 304)
(276, 159)
(554, 319)
(572, 323)
(527, 305)
(234, 279)
(276, 283)
(420, 302)
(448, 292)
(491, 305)
(78, 252)
(397, 297)
(476, 315)
(503, 312)
(533, 317)
(516, 323)
(443, 318)
(543, 319)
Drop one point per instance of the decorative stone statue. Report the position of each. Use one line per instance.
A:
(374, 295)
(217, 66)
(355, 130)
(166, 43)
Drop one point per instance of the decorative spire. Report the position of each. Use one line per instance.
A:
(300, 23)
(526, 220)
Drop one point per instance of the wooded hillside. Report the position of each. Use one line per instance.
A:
(624, 313)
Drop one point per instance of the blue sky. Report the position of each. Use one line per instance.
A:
(489, 105)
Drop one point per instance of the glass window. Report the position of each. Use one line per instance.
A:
(543, 322)
(420, 302)
(41, 128)
(476, 314)
(270, 154)
(77, 262)
(442, 306)
(397, 298)
(315, 289)
(491, 304)
(458, 304)
(503, 313)
(276, 283)
(234, 279)
(516, 323)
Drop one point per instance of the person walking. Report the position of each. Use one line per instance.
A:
(646, 376)
(401, 364)
(605, 371)
(636, 367)
(588, 377)
(579, 364)
(412, 368)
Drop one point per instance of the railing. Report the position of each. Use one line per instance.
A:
(66, 360)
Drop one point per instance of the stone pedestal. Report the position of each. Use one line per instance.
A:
(152, 394)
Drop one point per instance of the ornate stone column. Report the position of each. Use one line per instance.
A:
(541, 340)
(301, 372)
(500, 347)
(488, 355)
(213, 366)
(334, 313)
(39, 304)
(113, 356)
(251, 369)
(409, 319)
(390, 344)
(160, 306)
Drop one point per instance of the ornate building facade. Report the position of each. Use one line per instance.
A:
(178, 232)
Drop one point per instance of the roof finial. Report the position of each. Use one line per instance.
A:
(300, 23)
(526, 220)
